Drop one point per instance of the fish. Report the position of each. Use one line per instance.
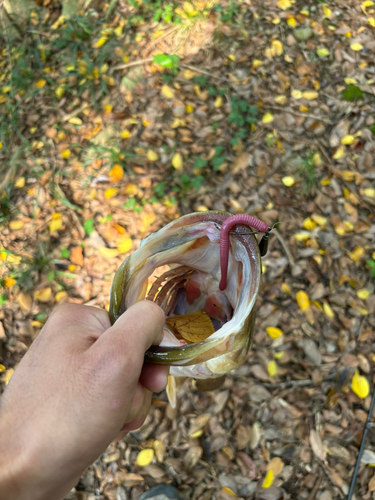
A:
(213, 306)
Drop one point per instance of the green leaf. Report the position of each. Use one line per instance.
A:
(65, 253)
(166, 60)
(373, 129)
(199, 163)
(352, 93)
(3, 299)
(89, 226)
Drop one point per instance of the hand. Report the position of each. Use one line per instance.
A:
(82, 383)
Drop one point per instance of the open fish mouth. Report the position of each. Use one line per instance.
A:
(208, 330)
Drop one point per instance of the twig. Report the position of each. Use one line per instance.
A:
(198, 70)
(111, 7)
(297, 113)
(289, 383)
(315, 489)
(286, 249)
(328, 474)
(139, 62)
(76, 112)
(368, 426)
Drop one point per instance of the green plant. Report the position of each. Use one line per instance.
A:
(228, 13)
(132, 204)
(371, 264)
(6, 207)
(89, 226)
(352, 93)
(191, 182)
(219, 158)
(307, 171)
(167, 61)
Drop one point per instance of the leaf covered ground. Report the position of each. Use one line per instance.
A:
(113, 126)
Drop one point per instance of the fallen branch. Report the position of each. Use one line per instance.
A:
(297, 113)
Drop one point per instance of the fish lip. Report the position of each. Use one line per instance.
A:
(186, 354)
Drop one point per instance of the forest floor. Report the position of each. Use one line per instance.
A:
(258, 107)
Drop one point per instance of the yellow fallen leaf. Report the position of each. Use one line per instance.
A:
(268, 480)
(277, 48)
(147, 220)
(356, 254)
(59, 92)
(276, 20)
(65, 154)
(189, 108)
(267, 118)
(228, 490)
(371, 21)
(152, 156)
(303, 300)
(288, 181)
(108, 253)
(369, 192)
(2, 368)
(145, 457)
(309, 224)
(125, 134)
(363, 293)
(167, 92)
(43, 294)
(256, 63)
(15, 225)
(365, 4)
(9, 282)
(116, 173)
(100, 42)
(339, 153)
(321, 221)
(56, 223)
(284, 4)
(356, 47)
(1, 145)
(317, 159)
(40, 84)
(188, 74)
(296, 94)
(291, 22)
(327, 11)
(60, 296)
(8, 376)
(124, 243)
(75, 120)
(272, 368)
(360, 385)
(348, 139)
(280, 99)
(110, 193)
(177, 162)
(310, 95)
(286, 288)
(350, 81)
(131, 189)
(177, 122)
(322, 52)
(218, 102)
(274, 332)
(302, 236)
(328, 310)
(20, 182)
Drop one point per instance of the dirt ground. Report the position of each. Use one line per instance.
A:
(268, 110)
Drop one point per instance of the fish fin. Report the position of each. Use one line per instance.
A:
(171, 390)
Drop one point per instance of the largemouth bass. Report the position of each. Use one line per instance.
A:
(189, 292)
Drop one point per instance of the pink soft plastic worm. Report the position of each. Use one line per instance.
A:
(247, 220)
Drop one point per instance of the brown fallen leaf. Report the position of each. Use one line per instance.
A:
(24, 301)
(317, 445)
(76, 256)
(193, 327)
